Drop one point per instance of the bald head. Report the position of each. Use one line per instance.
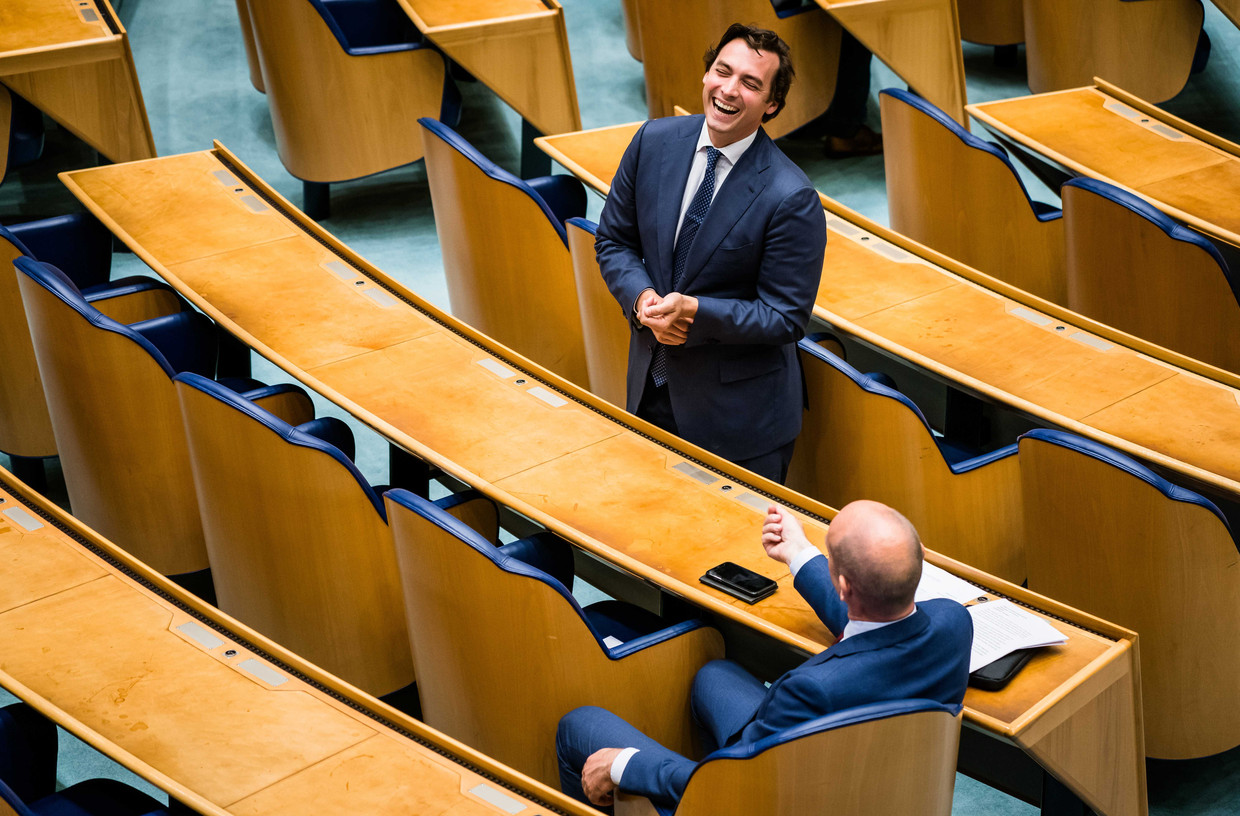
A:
(878, 552)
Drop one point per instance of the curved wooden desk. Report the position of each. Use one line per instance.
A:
(1002, 343)
(72, 61)
(609, 482)
(518, 48)
(1107, 133)
(216, 715)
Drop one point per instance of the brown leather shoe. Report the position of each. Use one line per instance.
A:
(865, 142)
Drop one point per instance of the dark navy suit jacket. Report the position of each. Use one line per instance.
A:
(735, 385)
(926, 655)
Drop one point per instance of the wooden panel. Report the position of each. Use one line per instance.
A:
(591, 155)
(336, 116)
(1124, 270)
(1146, 47)
(251, 50)
(605, 331)
(992, 22)
(38, 24)
(967, 203)
(632, 34)
(918, 39)
(455, 595)
(25, 427)
(676, 35)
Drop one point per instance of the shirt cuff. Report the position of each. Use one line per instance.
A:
(620, 763)
(801, 559)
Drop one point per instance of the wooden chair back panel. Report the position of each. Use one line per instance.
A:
(1145, 48)
(605, 332)
(674, 36)
(339, 117)
(855, 444)
(509, 273)
(967, 204)
(25, 427)
(502, 656)
(1102, 540)
(1123, 270)
(992, 22)
(904, 764)
(119, 434)
(251, 50)
(297, 550)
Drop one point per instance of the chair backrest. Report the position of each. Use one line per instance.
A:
(674, 36)
(1069, 42)
(298, 540)
(117, 424)
(498, 641)
(895, 757)
(1107, 535)
(341, 114)
(25, 427)
(1131, 266)
(960, 195)
(604, 328)
(504, 253)
(991, 22)
(863, 440)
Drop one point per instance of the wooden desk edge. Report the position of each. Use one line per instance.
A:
(384, 715)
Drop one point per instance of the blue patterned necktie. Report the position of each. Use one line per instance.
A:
(694, 216)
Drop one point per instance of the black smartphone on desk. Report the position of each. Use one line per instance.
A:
(739, 582)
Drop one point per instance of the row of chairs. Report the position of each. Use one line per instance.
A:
(1107, 254)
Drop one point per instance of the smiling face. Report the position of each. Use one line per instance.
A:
(736, 92)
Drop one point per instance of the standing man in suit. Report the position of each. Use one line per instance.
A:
(888, 648)
(712, 240)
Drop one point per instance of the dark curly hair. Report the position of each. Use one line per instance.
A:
(761, 39)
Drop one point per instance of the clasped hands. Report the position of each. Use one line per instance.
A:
(668, 317)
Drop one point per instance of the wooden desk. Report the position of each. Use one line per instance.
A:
(219, 717)
(72, 61)
(1004, 344)
(608, 481)
(1109, 134)
(518, 48)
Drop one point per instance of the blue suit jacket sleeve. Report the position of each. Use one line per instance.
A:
(618, 239)
(659, 775)
(813, 581)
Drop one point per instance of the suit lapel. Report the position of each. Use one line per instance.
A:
(737, 194)
(673, 175)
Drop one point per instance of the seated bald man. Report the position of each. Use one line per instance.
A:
(888, 648)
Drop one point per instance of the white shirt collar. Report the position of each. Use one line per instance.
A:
(856, 627)
(732, 152)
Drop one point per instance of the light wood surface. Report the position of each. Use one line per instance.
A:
(336, 116)
(1146, 47)
(989, 337)
(967, 203)
(992, 22)
(675, 36)
(856, 444)
(834, 772)
(1106, 133)
(604, 329)
(509, 272)
(518, 48)
(73, 62)
(25, 427)
(1124, 270)
(297, 549)
(918, 39)
(1169, 574)
(530, 657)
(608, 482)
(204, 707)
(119, 435)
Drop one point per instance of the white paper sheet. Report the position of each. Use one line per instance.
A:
(1000, 627)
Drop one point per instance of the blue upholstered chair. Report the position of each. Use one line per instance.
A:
(1131, 266)
(505, 251)
(115, 415)
(484, 620)
(346, 81)
(1106, 534)
(894, 757)
(21, 132)
(961, 195)
(28, 751)
(298, 539)
(862, 439)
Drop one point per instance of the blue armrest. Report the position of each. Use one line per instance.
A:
(369, 26)
(653, 639)
(565, 195)
(128, 286)
(965, 465)
(187, 340)
(545, 551)
(77, 244)
(789, 8)
(333, 431)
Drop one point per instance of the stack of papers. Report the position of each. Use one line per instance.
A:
(1000, 627)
